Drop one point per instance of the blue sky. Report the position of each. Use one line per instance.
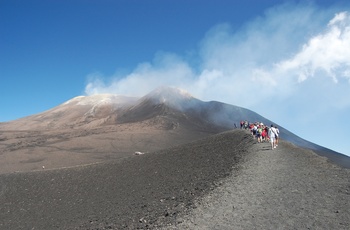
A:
(286, 60)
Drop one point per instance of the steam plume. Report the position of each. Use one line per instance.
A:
(290, 59)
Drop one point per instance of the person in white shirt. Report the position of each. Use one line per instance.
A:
(272, 135)
(277, 136)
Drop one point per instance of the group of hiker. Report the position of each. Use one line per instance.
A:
(262, 132)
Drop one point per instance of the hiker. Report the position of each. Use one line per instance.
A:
(246, 125)
(277, 136)
(253, 130)
(259, 134)
(272, 135)
(264, 134)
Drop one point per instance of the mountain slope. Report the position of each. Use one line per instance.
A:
(117, 194)
(223, 181)
(109, 126)
(90, 111)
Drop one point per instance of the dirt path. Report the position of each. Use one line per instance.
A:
(285, 188)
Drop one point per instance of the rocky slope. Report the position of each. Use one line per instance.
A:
(225, 181)
(146, 191)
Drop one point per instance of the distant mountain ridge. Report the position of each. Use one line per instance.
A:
(170, 107)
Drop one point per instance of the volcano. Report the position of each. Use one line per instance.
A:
(163, 161)
(90, 129)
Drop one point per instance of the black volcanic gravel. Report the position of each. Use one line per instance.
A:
(140, 192)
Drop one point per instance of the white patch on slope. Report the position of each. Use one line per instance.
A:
(75, 99)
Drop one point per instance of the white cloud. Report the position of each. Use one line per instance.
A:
(328, 52)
